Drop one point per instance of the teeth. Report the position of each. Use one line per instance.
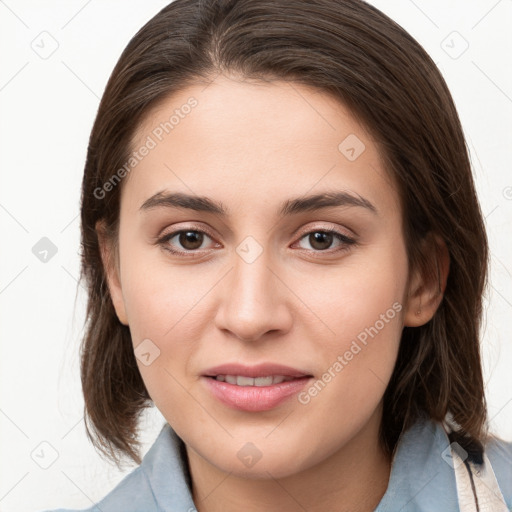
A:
(263, 381)
(244, 381)
(241, 380)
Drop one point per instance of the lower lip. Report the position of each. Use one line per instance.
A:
(254, 398)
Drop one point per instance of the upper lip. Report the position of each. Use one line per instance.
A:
(259, 370)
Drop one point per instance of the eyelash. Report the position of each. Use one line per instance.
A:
(347, 242)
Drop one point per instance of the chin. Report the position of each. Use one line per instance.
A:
(278, 466)
(260, 460)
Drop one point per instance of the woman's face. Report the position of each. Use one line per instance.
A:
(259, 280)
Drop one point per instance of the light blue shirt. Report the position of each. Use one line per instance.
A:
(421, 480)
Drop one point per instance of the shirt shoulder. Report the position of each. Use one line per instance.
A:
(499, 453)
(422, 473)
(421, 479)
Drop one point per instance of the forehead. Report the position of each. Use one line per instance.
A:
(247, 142)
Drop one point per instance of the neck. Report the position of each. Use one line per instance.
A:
(353, 479)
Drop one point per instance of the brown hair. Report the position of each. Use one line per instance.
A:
(368, 62)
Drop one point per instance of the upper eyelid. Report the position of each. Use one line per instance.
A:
(173, 232)
(329, 227)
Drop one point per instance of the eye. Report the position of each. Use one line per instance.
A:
(189, 239)
(322, 239)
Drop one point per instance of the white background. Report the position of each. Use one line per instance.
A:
(47, 109)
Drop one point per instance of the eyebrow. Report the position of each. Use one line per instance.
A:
(288, 207)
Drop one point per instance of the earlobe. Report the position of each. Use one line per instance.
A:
(426, 290)
(111, 272)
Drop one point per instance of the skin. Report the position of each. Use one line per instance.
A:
(251, 146)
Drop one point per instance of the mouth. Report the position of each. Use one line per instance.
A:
(263, 370)
(242, 380)
(254, 388)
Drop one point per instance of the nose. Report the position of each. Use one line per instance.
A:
(254, 300)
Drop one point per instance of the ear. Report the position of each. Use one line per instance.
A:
(426, 286)
(111, 269)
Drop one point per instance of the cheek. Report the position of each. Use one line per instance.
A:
(166, 304)
(362, 293)
(165, 307)
(361, 304)
(160, 296)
